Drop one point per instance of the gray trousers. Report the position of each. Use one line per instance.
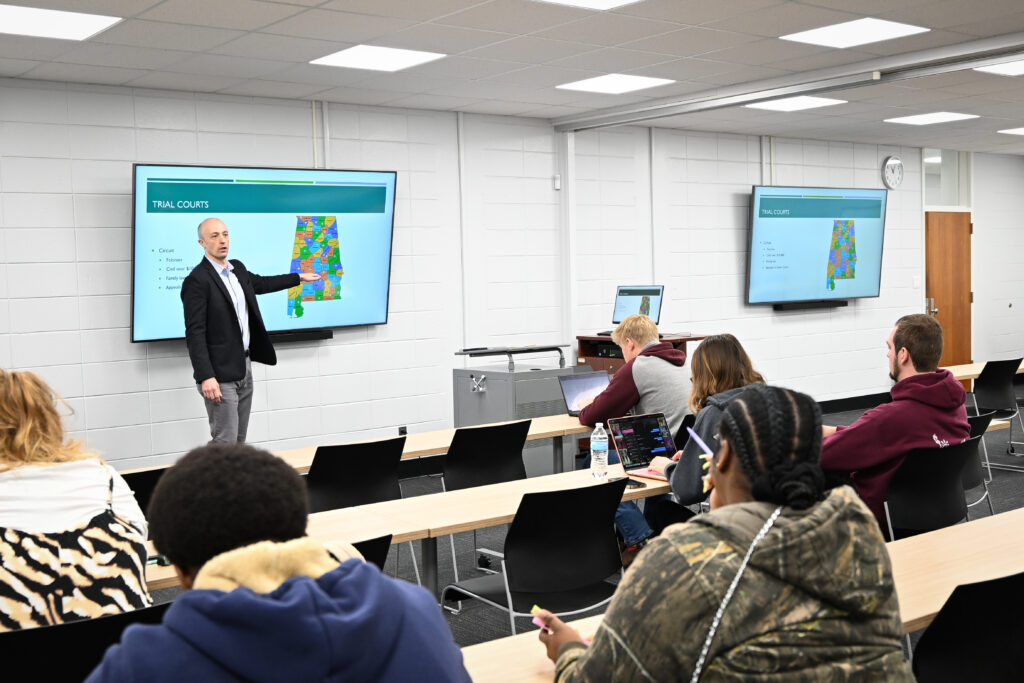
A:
(229, 419)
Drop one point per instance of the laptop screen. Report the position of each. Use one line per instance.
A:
(639, 439)
(645, 300)
(581, 386)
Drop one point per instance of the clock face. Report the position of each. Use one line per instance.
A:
(892, 172)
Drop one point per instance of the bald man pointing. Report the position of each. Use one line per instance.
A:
(225, 332)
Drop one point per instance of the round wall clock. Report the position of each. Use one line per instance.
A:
(892, 172)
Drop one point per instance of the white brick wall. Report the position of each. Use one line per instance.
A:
(997, 253)
(661, 206)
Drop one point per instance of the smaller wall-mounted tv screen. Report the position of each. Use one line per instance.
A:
(280, 220)
(814, 244)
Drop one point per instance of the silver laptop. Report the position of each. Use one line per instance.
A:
(581, 386)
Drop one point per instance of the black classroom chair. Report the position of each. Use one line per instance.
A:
(375, 550)
(974, 473)
(927, 492)
(142, 484)
(354, 474)
(976, 636)
(479, 456)
(69, 652)
(994, 391)
(565, 573)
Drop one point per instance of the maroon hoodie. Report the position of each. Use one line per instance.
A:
(656, 381)
(927, 410)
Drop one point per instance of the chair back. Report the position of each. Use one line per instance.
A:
(375, 550)
(69, 652)
(546, 554)
(979, 423)
(479, 456)
(926, 492)
(682, 436)
(354, 474)
(993, 389)
(142, 484)
(975, 636)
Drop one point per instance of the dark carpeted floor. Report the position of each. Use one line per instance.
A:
(479, 622)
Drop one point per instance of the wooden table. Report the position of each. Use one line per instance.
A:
(434, 515)
(435, 443)
(971, 370)
(926, 569)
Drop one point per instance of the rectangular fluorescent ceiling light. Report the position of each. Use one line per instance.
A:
(377, 58)
(600, 5)
(51, 23)
(934, 160)
(858, 32)
(1015, 68)
(615, 84)
(1013, 131)
(934, 117)
(796, 103)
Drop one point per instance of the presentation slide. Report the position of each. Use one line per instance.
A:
(643, 300)
(335, 223)
(812, 244)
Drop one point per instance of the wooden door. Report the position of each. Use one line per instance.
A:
(948, 281)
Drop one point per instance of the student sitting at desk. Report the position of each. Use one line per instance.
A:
(721, 369)
(262, 601)
(72, 537)
(653, 380)
(782, 580)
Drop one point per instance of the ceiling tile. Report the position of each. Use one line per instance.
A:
(685, 69)
(336, 26)
(166, 80)
(1011, 23)
(540, 77)
(313, 74)
(15, 67)
(112, 8)
(259, 88)
(246, 15)
(531, 50)
(24, 47)
(609, 29)
(416, 10)
(441, 102)
(821, 60)
(554, 111)
(612, 60)
(765, 51)
(159, 34)
(497, 108)
(448, 40)
(223, 65)
(465, 68)
(952, 12)
(98, 54)
(281, 48)
(783, 19)
(514, 16)
(921, 41)
(83, 73)
(745, 75)
(693, 12)
(874, 8)
(346, 95)
(690, 41)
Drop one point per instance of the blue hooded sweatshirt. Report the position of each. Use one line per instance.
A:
(350, 624)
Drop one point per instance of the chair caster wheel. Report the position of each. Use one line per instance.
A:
(483, 562)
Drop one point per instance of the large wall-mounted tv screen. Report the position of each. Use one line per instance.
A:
(814, 244)
(280, 220)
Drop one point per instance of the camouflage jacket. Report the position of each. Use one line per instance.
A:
(816, 602)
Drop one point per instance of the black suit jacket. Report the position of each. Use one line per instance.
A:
(211, 324)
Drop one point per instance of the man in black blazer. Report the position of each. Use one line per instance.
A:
(224, 330)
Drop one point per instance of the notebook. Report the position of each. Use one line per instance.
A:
(581, 386)
(639, 439)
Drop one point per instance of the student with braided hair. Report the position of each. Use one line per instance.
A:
(782, 580)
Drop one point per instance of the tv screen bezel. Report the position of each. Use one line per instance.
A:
(391, 245)
(750, 244)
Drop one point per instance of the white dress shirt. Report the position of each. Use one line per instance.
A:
(227, 274)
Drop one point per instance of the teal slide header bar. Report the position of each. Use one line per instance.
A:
(818, 207)
(257, 197)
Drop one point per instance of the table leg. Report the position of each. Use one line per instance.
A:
(429, 561)
(556, 455)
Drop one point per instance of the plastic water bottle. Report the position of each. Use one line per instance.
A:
(599, 452)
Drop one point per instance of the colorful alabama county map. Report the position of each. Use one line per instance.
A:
(315, 251)
(842, 255)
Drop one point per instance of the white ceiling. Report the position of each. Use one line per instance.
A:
(506, 56)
